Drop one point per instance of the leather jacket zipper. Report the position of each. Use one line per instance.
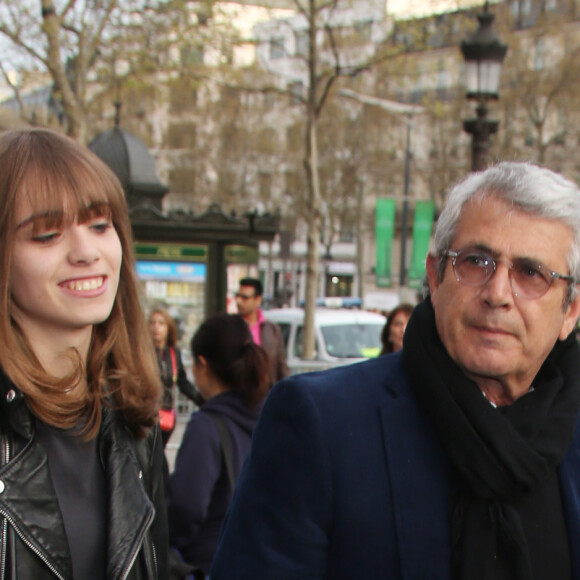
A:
(33, 548)
(4, 548)
(6, 458)
(138, 548)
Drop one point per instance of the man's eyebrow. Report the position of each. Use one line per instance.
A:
(496, 254)
(482, 248)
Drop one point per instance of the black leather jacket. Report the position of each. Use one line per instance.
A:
(33, 544)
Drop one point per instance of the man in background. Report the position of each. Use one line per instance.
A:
(265, 333)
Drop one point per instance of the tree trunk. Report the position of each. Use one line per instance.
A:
(73, 109)
(359, 240)
(312, 236)
(313, 187)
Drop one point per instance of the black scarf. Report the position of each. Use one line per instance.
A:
(494, 459)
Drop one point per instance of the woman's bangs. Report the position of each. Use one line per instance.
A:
(64, 193)
(56, 219)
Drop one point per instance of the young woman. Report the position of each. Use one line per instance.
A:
(81, 466)
(164, 335)
(232, 374)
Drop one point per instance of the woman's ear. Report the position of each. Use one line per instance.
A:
(200, 360)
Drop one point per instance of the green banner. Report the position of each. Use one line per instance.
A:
(171, 252)
(424, 213)
(236, 254)
(384, 229)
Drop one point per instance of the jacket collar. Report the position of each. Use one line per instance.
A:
(128, 499)
(29, 502)
(29, 499)
(13, 408)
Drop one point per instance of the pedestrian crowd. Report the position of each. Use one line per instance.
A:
(453, 455)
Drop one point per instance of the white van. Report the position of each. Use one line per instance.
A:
(342, 336)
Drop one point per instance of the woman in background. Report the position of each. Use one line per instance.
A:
(394, 329)
(81, 468)
(164, 334)
(232, 374)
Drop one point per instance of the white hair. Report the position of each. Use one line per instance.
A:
(528, 188)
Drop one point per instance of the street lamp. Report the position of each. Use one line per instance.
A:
(484, 54)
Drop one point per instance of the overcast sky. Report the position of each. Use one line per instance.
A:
(423, 7)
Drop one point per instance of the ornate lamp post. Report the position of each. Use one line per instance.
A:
(484, 54)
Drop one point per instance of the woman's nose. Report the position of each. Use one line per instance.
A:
(82, 247)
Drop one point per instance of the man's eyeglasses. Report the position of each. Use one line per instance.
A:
(529, 279)
(245, 296)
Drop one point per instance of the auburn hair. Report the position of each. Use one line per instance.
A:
(62, 179)
(171, 340)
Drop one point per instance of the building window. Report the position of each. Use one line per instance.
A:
(442, 82)
(182, 180)
(522, 13)
(265, 185)
(295, 89)
(346, 233)
(182, 135)
(276, 48)
(529, 139)
(338, 285)
(302, 43)
(540, 54)
(417, 95)
(182, 96)
(191, 55)
(364, 31)
(269, 101)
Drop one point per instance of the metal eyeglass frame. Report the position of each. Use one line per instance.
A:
(454, 254)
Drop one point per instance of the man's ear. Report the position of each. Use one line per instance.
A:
(432, 264)
(570, 318)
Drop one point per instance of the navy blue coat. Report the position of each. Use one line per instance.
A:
(346, 480)
(198, 490)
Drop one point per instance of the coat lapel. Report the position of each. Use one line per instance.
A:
(420, 480)
(127, 496)
(569, 475)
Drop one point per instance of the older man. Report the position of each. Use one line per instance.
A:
(458, 457)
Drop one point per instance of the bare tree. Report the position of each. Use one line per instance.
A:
(541, 83)
(65, 40)
(328, 56)
(89, 47)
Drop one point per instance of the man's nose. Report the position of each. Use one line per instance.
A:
(498, 290)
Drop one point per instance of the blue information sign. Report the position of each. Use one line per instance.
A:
(182, 271)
